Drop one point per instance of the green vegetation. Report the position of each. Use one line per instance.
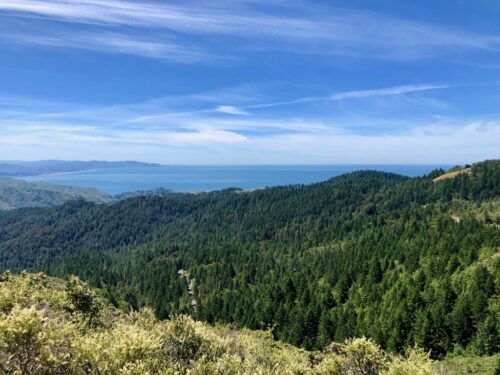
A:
(159, 192)
(402, 261)
(460, 365)
(49, 328)
(18, 193)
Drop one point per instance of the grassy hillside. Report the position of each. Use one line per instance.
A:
(48, 326)
(17, 193)
(364, 254)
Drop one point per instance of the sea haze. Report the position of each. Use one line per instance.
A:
(207, 178)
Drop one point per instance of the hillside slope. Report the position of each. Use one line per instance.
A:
(453, 174)
(364, 254)
(49, 326)
(17, 193)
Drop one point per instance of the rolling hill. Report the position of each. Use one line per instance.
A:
(453, 173)
(17, 193)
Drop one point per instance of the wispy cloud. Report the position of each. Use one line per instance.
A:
(397, 90)
(304, 28)
(357, 94)
(431, 143)
(161, 130)
(196, 111)
(231, 110)
(107, 42)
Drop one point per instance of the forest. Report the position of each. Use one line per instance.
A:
(401, 261)
(15, 193)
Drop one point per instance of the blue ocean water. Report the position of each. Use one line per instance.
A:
(207, 178)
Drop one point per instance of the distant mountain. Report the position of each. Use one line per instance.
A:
(30, 168)
(17, 193)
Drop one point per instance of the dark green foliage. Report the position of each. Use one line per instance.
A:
(17, 194)
(366, 253)
(83, 300)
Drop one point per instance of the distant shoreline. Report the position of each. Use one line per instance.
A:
(182, 179)
(64, 173)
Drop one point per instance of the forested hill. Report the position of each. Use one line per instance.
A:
(17, 193)
(402, 260)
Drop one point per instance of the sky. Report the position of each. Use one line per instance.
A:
(250, 81)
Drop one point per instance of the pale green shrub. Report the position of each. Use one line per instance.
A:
(182, 342)
(332, 365)
(415, 362)
(47, 328)
(31, 343)
(363, 357)
(113, 350)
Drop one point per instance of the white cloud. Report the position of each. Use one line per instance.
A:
(122, 44)
(387, 91)
(207, 136)
(304, 28)
(229, 109)
(182, 138)
(220, 143)
(397, 90)
(460, 143)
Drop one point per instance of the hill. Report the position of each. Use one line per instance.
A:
(17, 193)
(453, 173)
(49, 326)
(364, 254)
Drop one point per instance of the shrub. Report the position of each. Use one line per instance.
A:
(83, 300)
(415, 362)
(363, 357)
(183, 344)
(31, 343)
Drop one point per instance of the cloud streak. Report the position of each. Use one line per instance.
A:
(196, 111)
(305, 28)
(210, 133)
(231, 110)
(389, 91)
(358, 94)
(117, 43)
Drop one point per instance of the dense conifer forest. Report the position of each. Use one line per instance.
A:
(402, 261)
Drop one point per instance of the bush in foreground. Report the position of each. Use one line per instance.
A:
(47, 327)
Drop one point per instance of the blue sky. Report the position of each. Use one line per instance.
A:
(250, 81)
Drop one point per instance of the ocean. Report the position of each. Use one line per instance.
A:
(208, 178)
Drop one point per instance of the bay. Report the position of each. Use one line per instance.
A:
(207, 178)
